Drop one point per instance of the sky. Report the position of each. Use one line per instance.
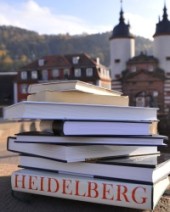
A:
(82, 16)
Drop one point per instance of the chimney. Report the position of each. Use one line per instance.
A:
(98, 60)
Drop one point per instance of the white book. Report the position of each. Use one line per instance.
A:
(46, 137)
(108, 192)
(99, 128)
(146, 168)
(78, 97)
(53, 110)
(72, 153)
(72, 85)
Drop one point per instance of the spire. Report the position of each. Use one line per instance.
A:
(165, 15)
(121, 19)
(122, 30)
(163, 26)
(121, 3)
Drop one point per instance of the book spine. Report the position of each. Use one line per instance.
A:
(84, 189)
(52, 126)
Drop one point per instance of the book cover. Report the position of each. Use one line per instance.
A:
(78, 97)
(124, 194)
(54, 110)
(67, 85)
(73, 153)
(99, 128)
(150, 161)
(103, 169)
(48, 137)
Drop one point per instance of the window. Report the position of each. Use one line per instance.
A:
(24, 75)
(117, 76)
(75, 60)
(155, 93)
(44, 75)
(140, 101)
(108, 73)
(117, 60)
(55, 73)
(77, 72)
(133, 69)
(101, 71)
(167, 74)
(151, 68)
(66, 72)
(34, 75)
(23, 88)
(89, 72)
(41, 62)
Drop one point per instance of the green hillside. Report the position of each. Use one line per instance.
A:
(19, 46)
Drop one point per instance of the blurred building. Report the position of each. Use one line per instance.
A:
(144, 78)
(61, 67)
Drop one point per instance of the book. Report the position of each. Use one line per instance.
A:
(144, 169)
(47, 137)
(55, 110)
(108, 192)
(98, 128)
(67, 85)
(78, 97)
(73, 153)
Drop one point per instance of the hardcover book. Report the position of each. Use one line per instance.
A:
(74, 85)
(98, 128)
(144, 169)
(108, 192)
(54, 110)
(72, 153)
(78, 97)
(48, 137)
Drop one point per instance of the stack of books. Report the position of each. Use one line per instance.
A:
(91, 146)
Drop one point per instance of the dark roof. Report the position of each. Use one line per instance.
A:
(157, 73)
(143, 58)
(163, 26)
(122, 30)
(49, 61)
(84, 60)
(62, 61)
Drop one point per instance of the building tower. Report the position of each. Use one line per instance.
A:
(162, 41)
(122, 46)
(161, 47)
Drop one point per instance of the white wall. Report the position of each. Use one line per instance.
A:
(122, 49)
(162, 51)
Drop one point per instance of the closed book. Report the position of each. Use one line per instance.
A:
(144, 169)
(48, 137)
(98, 128)
(78, 97)
(72, 153)
(108, 192)
(67, 85)
(54, 110)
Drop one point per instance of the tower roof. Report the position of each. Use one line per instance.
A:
(142, 58)
(122, 30)
(163, 26)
